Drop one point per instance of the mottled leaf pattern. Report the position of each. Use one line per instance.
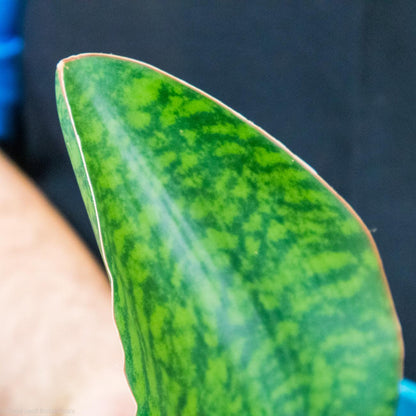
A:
(243, 285)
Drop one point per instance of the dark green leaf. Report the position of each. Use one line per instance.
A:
(242, 283)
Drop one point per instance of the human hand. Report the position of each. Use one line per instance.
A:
(60, 353)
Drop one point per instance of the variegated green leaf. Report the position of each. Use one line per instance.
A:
(242, 283)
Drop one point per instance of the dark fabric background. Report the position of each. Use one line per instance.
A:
(334, 80)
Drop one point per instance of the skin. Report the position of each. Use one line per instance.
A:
(59, 347)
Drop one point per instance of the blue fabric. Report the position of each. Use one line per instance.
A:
(407, 401)
(11, 46)
(10, 12)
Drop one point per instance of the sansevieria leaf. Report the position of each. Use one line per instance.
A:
(242, 283)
